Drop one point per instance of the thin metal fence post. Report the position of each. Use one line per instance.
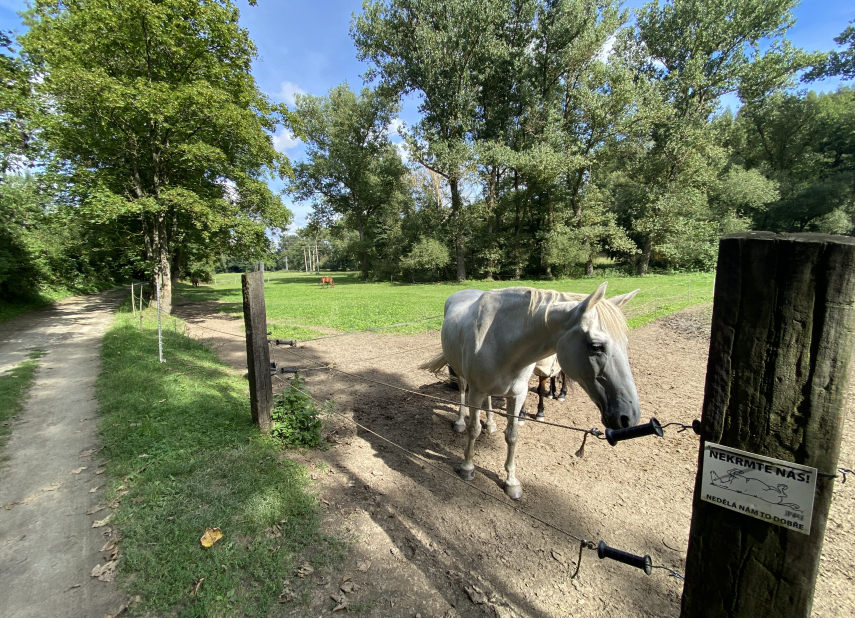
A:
(159, 333)
(133, 300)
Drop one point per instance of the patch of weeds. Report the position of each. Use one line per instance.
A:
(296, 418)
(180, 437)
(14, 387)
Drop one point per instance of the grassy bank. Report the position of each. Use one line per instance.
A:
(180, 441)
(14, 386)
(298, 307)
(45, 297)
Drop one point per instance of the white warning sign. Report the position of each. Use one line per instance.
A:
(775, 491)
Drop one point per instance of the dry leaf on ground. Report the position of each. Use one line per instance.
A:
(105, 572)
(211, 536)
(305, 570)
(287, 595)
(196, 585)
(103, 522)
(94, 489)
(95, 509)
(363, 565)
(78, 470)
(53, 487)
(341, 601)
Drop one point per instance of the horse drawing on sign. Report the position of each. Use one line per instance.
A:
(325, 280)
(195, 282)
(492, 340)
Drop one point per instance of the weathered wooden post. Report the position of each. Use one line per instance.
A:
(257, 352)
(781, 343)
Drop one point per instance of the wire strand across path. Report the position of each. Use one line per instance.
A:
(583, 543)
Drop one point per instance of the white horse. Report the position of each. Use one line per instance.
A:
(492, 340)
(546, 369)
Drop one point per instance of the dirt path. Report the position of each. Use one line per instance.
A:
(48, 546)
(437, 548)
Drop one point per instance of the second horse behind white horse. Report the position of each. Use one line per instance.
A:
(492, 340)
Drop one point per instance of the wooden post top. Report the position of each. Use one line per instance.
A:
(800, 237)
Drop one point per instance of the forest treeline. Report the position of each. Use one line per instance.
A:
(134, 141)
(552, 133)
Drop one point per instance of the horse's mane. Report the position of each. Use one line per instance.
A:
(612, 319)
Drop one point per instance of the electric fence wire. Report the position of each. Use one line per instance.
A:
(583, 543)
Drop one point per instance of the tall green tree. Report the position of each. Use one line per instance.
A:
(155, 123)
(841, 62)
(15, 108)
(352, 171)
(435, 48)
(697, 51)
(805, 144)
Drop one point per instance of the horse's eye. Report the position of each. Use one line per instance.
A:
(597, 347)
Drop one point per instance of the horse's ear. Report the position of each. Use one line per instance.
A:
(598, 295)
(621, 300)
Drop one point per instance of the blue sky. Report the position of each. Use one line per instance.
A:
(306, 47)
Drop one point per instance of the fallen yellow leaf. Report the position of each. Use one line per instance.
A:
(211, 536)
(78, 470)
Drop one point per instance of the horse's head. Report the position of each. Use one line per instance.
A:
(593, 352)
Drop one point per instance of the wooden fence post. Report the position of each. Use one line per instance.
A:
(780, 348)
(257, 351)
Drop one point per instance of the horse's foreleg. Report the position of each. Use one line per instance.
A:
(460, 424)
(553, 389)
(490, 427)
(563, 394)
(473, 430)
(512, 485)
(540, 406)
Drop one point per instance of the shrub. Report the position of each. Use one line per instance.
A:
(296, 418)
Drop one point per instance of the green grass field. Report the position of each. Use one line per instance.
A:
(184, 455)
(297, 307)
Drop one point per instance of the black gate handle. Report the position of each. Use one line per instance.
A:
(639, 562)
(615, 436)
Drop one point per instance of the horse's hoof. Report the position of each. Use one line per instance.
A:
(491, 428)
(467, 475)
(514, 491)
(540, 416)
(459, 427)
(561, 397)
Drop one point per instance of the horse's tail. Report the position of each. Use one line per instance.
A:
(435, 364)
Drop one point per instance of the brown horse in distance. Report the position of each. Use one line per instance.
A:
(325, 280)
(195, 282)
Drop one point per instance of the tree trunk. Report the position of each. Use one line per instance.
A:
(780, 349)
(458, 232)
(491, 204)
(589, 266)
(162, 267)
(363, 254)
(176, 266)
(644, 260)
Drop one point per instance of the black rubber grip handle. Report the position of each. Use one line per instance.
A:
(618, 435)
(639, 562)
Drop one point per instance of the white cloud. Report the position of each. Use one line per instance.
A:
(395, 126)
(403, 152)
(288, 92)
(285, 140)
(606, 49)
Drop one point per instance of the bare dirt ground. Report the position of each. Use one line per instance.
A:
(438, 548)
(50, 477)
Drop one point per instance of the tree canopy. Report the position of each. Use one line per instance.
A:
(153, 121)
